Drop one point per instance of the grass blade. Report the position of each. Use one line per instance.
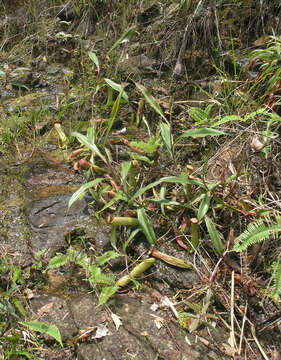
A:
(146, 227)
(204, 206)
(82, 190)
(84, 140)
(118, 88)
(125, 168)
(113, 114)
(170, 179)
(150, 99)
(94, 59)
(130, 238)
(214, 235)
(167, 138)
(125, 37)
(201, 132)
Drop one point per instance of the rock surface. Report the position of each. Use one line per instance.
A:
(144, 333)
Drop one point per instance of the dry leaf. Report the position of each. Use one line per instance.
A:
(117, 320)
(163, 90)
(28, 294)
(256, 144)
(158, 322)
(101, 332)
(167, 302)
(154, 307)
(144, 333)
(261, 41)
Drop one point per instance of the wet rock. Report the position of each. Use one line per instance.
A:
(56, 282)
(175, 277)
(139, 320)
(61, 354)
(85, 311)
(51, 241)
(97, 235)
(169, 340)
(26, 102)
(54, 310)
(14, 236)
(14, 233)
(53, 212)
(136, 64)
(51, 221)
(48, 193)
(44, 173)
(119, 345)
(139, 335)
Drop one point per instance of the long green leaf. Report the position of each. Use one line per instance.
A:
(118, 88)
(201, 132)
(163, 201)
(167, 138)
(214, 235)
(227, 119)
(81, 191)
(125, 37)
(150, 99)
(170, 179)
(94, 59)
(199, 115)
(119, 196)
(130, 238)
(146, 227)
(44, 328)
(84, 140)
(204, 206)
(125, 168)
(113, 114)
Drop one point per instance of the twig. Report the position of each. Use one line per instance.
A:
(217, 26)
(232, 334)
(178, 67)
(214, 273)
(253, 331)
(242, 329)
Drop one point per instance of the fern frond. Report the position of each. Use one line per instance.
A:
(276, 266)
(257, 232)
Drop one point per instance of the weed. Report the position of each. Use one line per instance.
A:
(256, 232)
(266, 84)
